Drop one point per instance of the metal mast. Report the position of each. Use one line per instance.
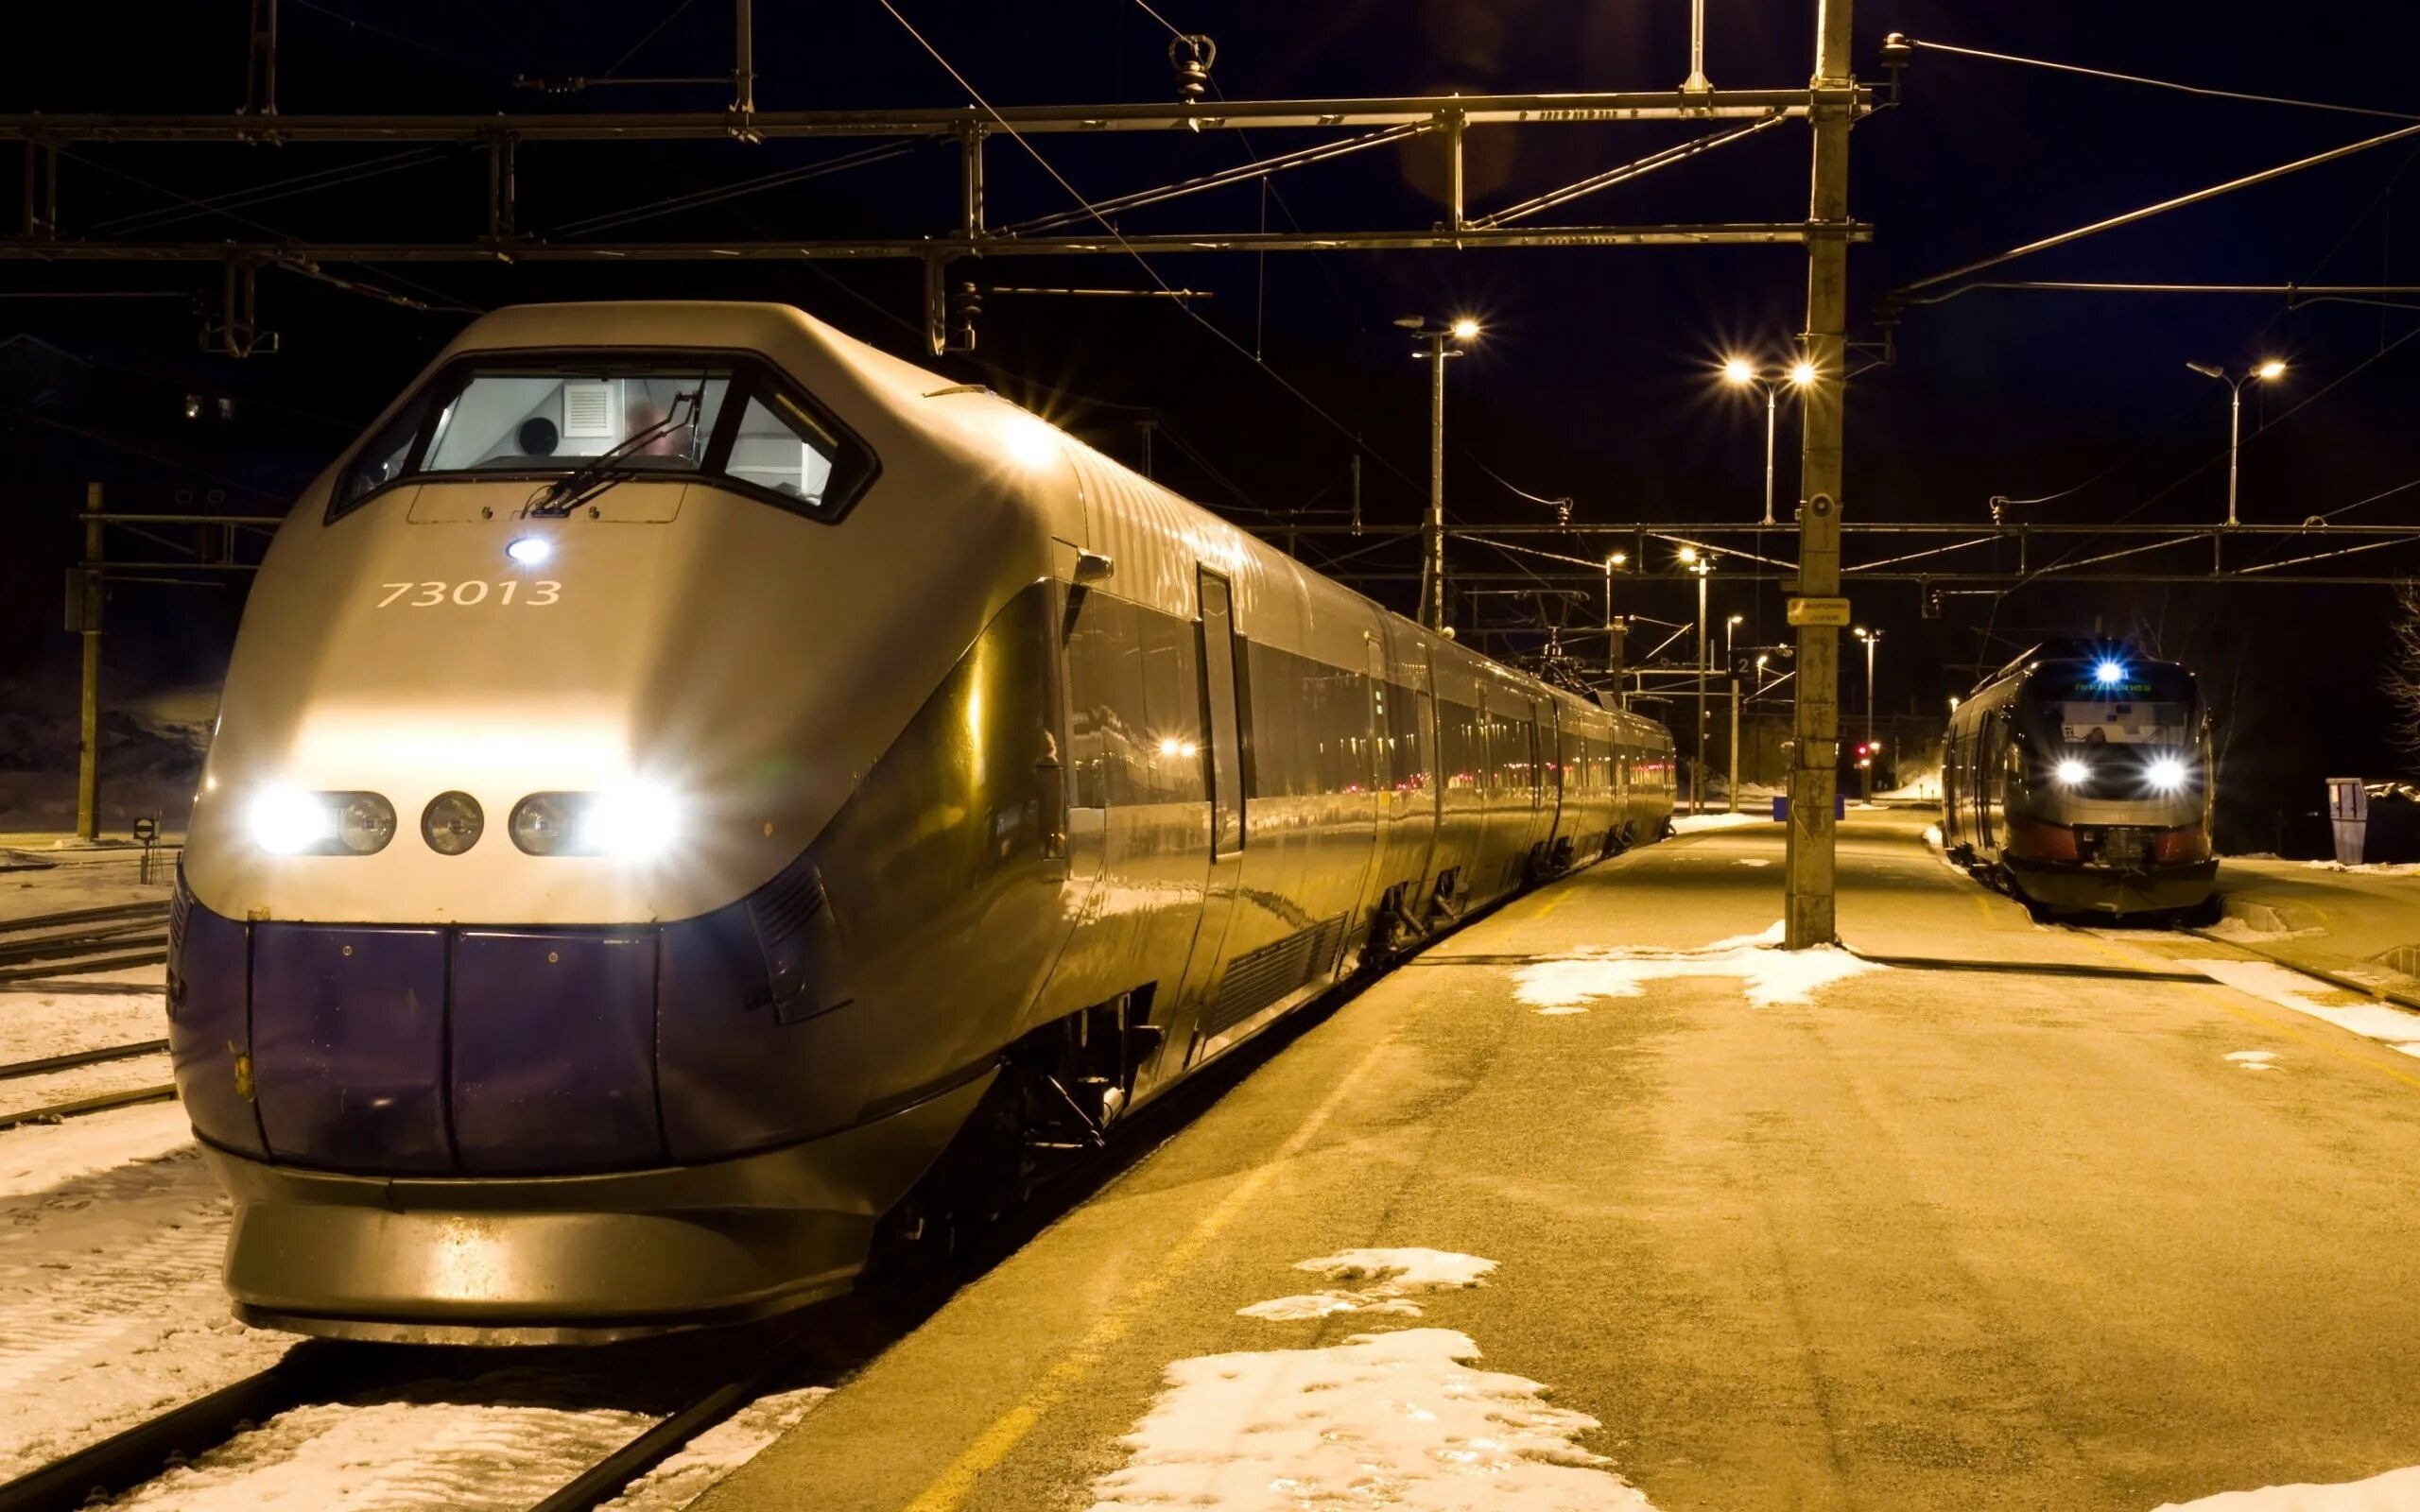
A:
(1810, 919)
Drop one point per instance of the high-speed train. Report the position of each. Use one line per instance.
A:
(684, 770)
(2078, 777)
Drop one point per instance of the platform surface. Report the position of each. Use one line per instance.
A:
(2005, 1215)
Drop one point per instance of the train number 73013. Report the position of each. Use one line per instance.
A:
(467, 595)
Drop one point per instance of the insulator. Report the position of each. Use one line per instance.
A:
(966, 304)
(1191, 57)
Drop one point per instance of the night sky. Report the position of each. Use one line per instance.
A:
(1596, 378)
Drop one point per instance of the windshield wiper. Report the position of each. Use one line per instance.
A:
(571, 490)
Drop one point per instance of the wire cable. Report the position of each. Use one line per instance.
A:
(699, 198)
(475, 64)
(1105, 224)
(671, 16)
(2159, 83)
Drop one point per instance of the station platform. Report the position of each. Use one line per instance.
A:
(1977, 1214)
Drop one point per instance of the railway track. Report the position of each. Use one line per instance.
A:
(318, 1372)
(82, 940)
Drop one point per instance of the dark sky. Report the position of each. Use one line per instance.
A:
(1595, 378)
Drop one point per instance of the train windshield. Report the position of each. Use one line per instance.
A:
(513, 419)
(2113, 704)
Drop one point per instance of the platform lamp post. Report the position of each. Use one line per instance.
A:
(1699, 564)
(2268, 371)
(1740, 372)
(1436, 339)
(1614, 628)
(1872, 639)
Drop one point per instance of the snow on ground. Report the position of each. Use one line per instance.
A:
(110, 1309)
(480, 1446)
(717, 1452)
(2254, 1059)
(1391, 1275)
(2291, 989)
(36, 1157)
(2370, 868)
(342, 1457)
(58, 1020)
(1697, 823)
(2231, 927)
(1396, 1420)
(83, 879)
(2394, 1491)
(1754, 860)
(26, 1094)
(1768, 974)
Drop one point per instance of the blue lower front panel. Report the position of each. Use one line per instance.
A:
(431, 1051)
(553, 1065)
(349, 1046)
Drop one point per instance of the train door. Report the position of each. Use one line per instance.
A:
(1388, 807)
(1991, 786)
(1226, 789)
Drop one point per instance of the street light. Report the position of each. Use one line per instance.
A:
(1872, 639)
(2267, 372)
(1432, 558)
(1741, 373)
(1730, 625)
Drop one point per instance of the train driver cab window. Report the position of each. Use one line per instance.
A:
(525, 421)
(782, 449)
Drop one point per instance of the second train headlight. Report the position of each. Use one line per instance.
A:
(635, 821)
(2166, 773)
(2071, 772)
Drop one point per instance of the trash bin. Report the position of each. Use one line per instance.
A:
(2348, 813)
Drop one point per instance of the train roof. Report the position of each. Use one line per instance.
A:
(966, 418)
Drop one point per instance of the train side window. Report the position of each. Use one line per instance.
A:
(386, 457)
(787, 451)
(1104, 702)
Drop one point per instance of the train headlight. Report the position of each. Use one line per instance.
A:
(364, 822)
(637, 822)
(545, 824)
(2167, 774)
(2072, 773)
(2109, 672)
(530, 551)
(288, 821)
(634, 821)
(451, 822)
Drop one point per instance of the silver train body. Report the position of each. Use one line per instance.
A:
(2081, 779)
(611, 892)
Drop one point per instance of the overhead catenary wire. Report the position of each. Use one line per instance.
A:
(1106, 225)
(2204, 91)
(1901, 294)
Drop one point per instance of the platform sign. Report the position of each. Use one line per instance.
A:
(1834, 611)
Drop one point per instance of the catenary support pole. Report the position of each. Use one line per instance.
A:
(1432, 561)
(1810, 918)
(1733, 805)
(88, 755)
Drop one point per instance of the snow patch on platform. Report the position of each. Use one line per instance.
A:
(1390, 1275)
(2291, 989)
(2254, 1059)
(1697, 823)
(2394, 1491)
(1751, 861)
(1383, 1420)
(1768, 974)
